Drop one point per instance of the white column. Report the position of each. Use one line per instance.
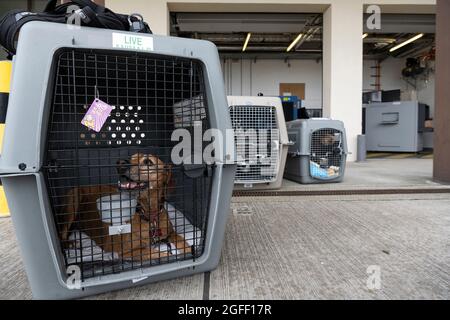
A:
(342, 67)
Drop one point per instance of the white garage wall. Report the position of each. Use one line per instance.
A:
(427, 94)
(247, 77)
(391, 79)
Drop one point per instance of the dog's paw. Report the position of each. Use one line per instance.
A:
(167, 248)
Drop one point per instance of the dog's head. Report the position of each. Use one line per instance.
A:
(143, 171)
(328, 139)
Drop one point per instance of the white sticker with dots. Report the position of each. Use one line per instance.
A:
(124, 126)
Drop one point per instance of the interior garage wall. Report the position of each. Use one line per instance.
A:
(342, 56)
(247, 77)
(250, 77)
(391, 79)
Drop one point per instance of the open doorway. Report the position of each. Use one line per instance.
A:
(399, 85)
(262, 53)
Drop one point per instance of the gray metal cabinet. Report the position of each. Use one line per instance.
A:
(395, 126)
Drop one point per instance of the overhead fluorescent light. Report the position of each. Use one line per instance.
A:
(296, 40)
(246, 41)
(420, 35)
(365, 35)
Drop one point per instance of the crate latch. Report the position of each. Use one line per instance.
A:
(195, 171)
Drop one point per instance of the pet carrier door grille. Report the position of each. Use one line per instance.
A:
(118, 202)
(327, 153)
(257, 143)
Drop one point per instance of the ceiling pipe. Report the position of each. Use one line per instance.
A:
(256, 38)
(311, 28)
(265, 49)
(271, 55)
(415, 51)
(379, 40)
(310, 34)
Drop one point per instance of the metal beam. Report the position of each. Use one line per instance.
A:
(442, 112)
(241, 22)
(405, 23)
(272, 55)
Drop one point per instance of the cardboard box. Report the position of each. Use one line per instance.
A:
(429, 124)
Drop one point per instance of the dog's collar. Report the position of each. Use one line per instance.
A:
(153, 214)
(155, 231)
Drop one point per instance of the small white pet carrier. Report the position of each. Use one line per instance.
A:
(261, 141)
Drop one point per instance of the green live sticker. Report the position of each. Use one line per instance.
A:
(132, 41)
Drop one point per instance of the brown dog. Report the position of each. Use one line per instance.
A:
(147, 175)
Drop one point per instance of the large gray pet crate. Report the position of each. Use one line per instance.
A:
(318, 152)
(155, 85)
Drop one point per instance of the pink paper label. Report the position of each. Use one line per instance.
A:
(96, 116)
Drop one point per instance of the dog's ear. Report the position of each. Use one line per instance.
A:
(136, 158)
(168, 168)
(168, 183)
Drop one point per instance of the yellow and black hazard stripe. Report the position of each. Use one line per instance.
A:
(5, 80)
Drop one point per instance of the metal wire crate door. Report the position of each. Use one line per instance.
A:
(327, 154)
(257, 140)
(150, 95)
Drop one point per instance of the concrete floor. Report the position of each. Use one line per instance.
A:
(380, 174)
(310, 247)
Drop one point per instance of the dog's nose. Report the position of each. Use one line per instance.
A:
(147, 162)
